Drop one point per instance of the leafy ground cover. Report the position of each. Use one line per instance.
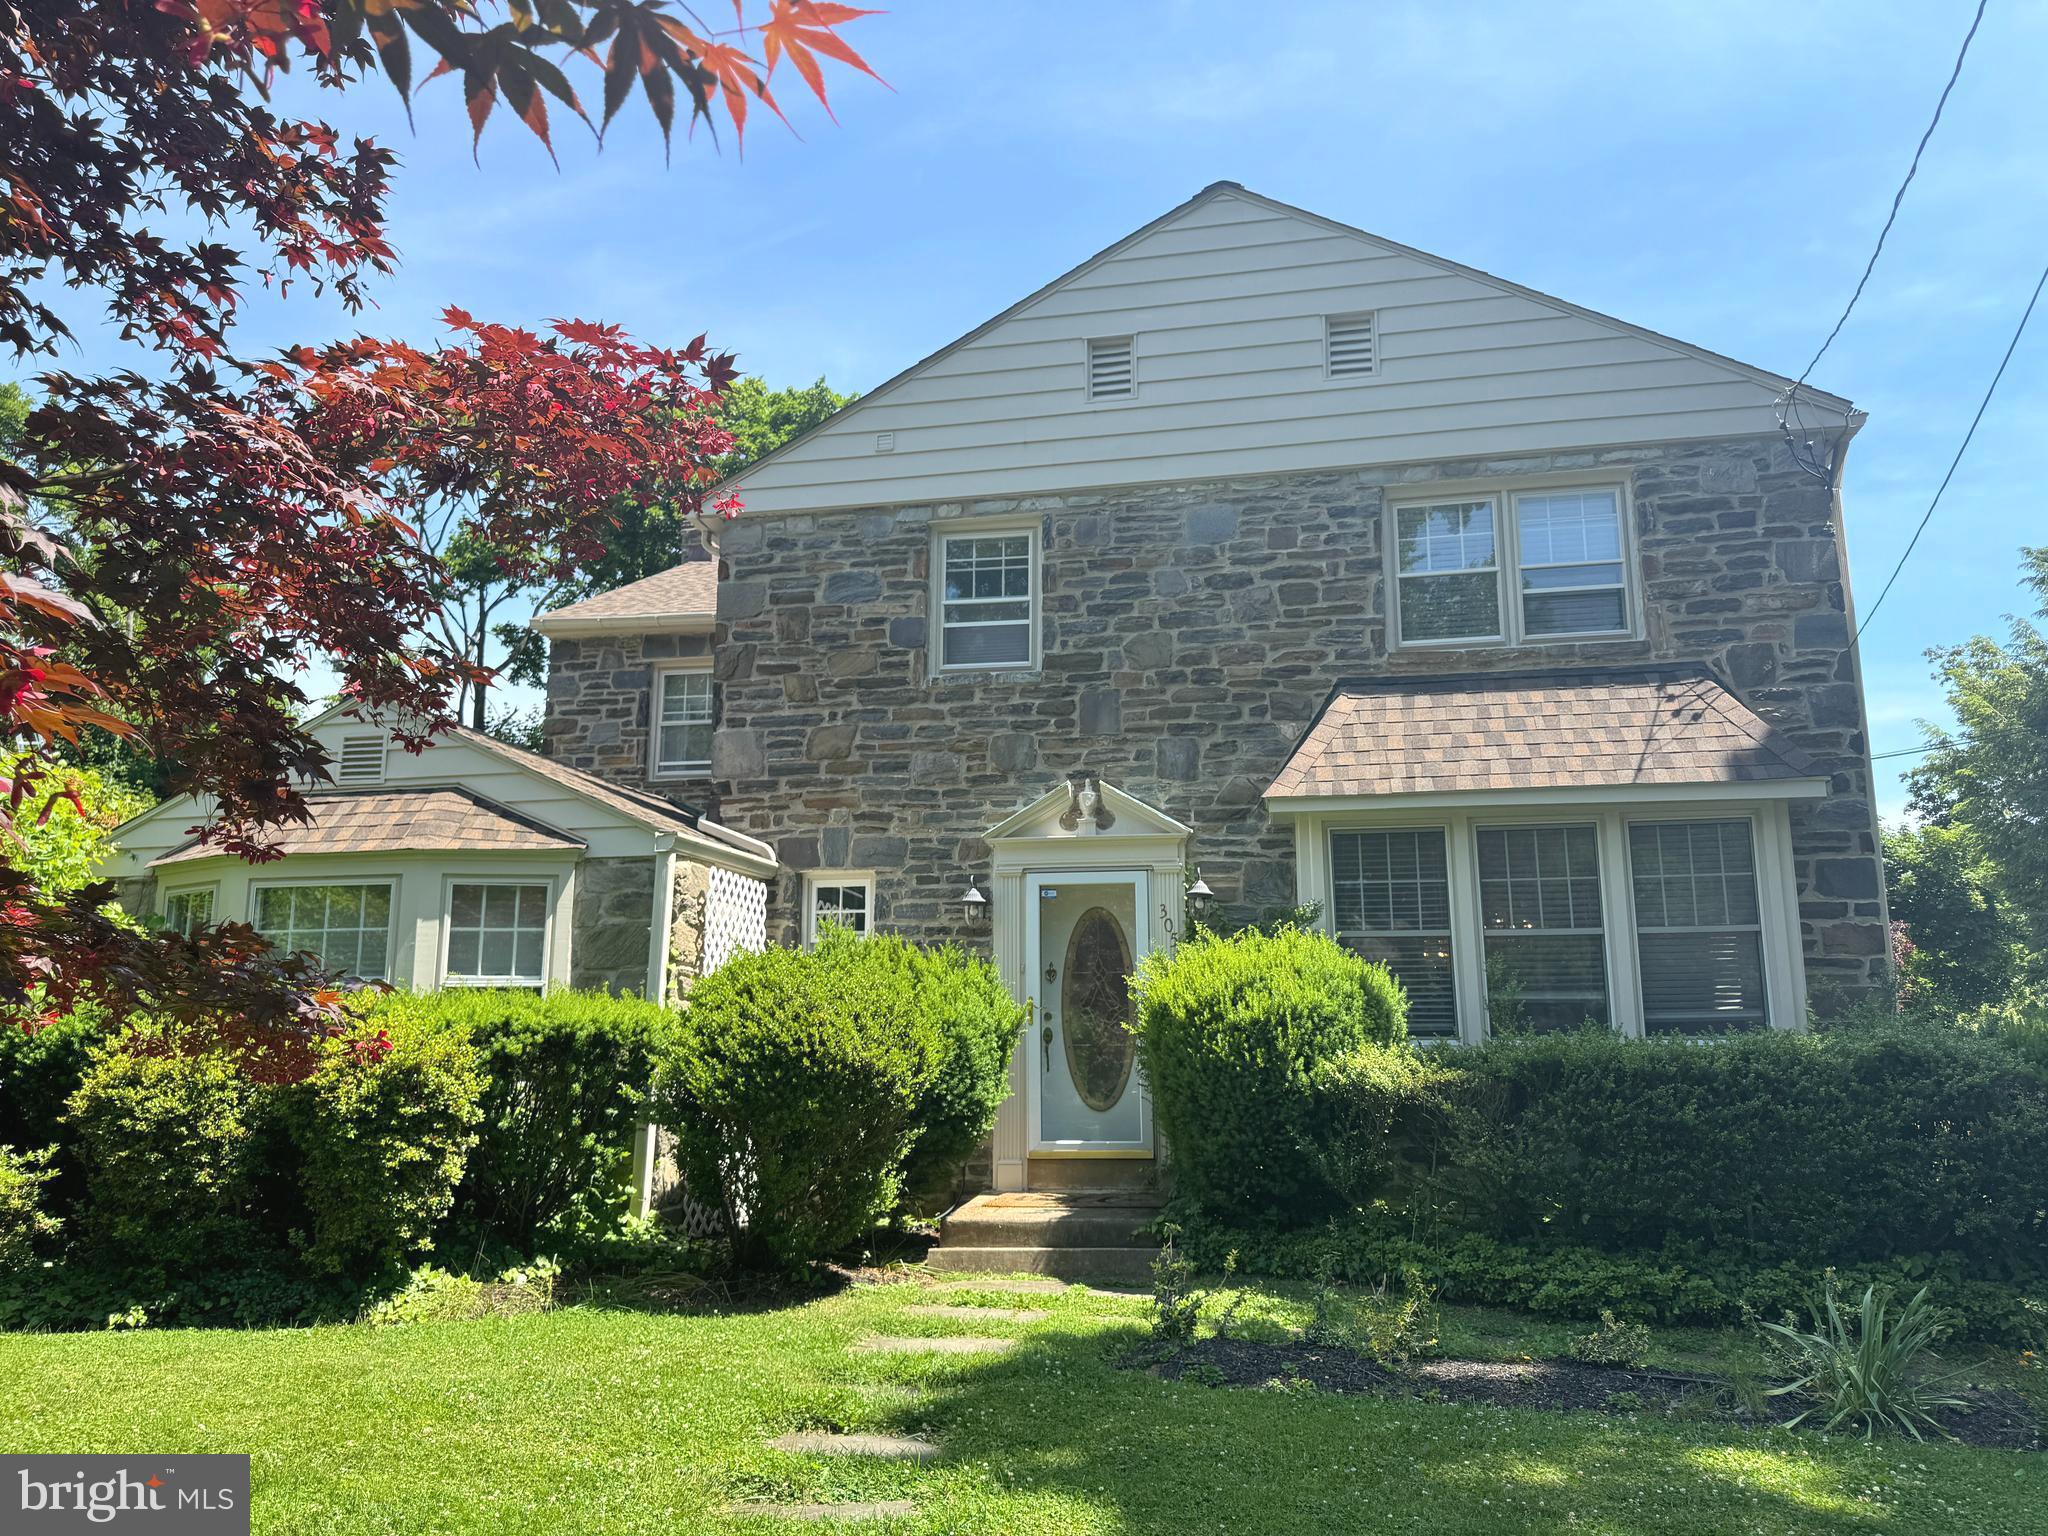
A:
(601, 1416)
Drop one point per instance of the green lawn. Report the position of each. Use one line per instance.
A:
(591, 1419)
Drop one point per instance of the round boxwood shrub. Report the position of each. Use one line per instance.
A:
(794, 1091)
(977, 1021)
(1233, 1033)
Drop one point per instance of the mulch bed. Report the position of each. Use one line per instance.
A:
(1995, 1418)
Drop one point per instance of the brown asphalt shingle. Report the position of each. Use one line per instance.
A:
(689, 590)
(403, 820)
(1405, 736)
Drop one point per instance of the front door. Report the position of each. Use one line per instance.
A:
(1086, 934)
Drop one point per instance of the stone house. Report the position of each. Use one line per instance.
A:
(1260, 550)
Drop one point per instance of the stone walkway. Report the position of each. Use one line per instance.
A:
(905, 1448)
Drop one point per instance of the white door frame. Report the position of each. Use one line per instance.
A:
(1034, 843)
(1140, 882)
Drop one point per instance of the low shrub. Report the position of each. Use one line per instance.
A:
(1373, 1117)
(794, 1089)
(40, 1068)
(977, 1022)
(26, 1227)
(1234, 1035)
(565, 1082)
(381, 1129)
(1613, 1343)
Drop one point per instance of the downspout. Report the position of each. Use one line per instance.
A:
(645, 1140)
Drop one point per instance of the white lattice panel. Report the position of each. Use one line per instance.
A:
(735, 916)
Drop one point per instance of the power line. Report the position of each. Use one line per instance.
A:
(1878, 757)
(1790, 421)
(1962, 448)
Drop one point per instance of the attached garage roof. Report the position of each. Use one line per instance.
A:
(682, 598)
(432, 819)
(1608, 729)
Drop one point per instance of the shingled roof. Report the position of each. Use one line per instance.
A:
(684, 595)
(440, 818)
(1608, 729)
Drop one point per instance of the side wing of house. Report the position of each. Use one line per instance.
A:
(468, 864)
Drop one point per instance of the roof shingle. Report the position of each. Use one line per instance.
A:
(686, 591)
(1406, 736)
(438, 818)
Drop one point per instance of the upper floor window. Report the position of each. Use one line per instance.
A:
(1112, 368)
(682, 721)
(988, 599)
(1566, 550)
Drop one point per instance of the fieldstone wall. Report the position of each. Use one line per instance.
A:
(612, 925)
(1190, 634)
(600, 703)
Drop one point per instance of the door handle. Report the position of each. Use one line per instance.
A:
(1045, 1047)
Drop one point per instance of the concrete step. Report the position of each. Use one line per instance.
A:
(1082, 1264)
(1092, 1174)
(821, 1442)
(1043, 1219)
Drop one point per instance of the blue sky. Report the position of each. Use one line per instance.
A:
(1714, 172)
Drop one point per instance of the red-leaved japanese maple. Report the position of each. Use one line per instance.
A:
(177, 544)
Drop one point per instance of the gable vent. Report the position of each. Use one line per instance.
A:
(885, 442)
(1111, 372)
(1351, 345)
(361, 760)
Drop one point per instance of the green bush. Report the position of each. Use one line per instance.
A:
(381, 1130)
(566, 1082)
(1371, 1117)
(794, 1089)
(1807, 1149)
(26, 1228)
(172, 1138)
(977, 1021)
(1233, 1034)
(39, 1071)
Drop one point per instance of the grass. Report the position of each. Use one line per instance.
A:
(599, 1419)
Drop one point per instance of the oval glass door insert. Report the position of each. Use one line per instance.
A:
(1095, 1005)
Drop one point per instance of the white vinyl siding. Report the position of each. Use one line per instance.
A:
(682, 721)
(1232, 301)
(1539, 906)
(497, 934)
(838, 897)
(1699, 928)
(346, 927)
(1391, 904)
(1112, 368)
(988, 599)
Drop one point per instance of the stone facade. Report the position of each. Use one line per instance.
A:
(612, 925)
(1190, 634)
(600, 699)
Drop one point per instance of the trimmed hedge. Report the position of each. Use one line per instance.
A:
(795, 1089)
(566, 1081)
(977, 1021)
(1234, 1034)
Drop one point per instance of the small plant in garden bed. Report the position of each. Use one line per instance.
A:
(1613, 1343)
(1869, 1368)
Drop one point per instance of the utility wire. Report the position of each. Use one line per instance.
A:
(1961, 449)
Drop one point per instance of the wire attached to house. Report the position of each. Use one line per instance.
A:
(1790, 421)
(1961, 448)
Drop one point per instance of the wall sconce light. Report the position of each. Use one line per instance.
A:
(1200, 892)
(974, 903)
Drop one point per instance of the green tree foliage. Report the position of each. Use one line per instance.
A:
(1991, 773)
(61, 845)
(1965, 939)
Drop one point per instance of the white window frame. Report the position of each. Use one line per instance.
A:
(813, 879)
(936, 597)
(693, 768)
(209, 889)
(1460, 1023)
(1540, 822)
(1760, 857)
(390, 884)
(1511, 629)
(548, 883)
(1461, 814)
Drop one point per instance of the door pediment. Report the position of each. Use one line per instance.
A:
(1087, 809)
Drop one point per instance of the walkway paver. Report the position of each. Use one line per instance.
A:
(981, 1314)
(947, 1345)
(1019, 1287)
(873, 1509)
(825, 1442)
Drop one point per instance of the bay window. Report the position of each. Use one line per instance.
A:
(1699, 927)
(1391, 903)
(1539, 907)
(347, 928)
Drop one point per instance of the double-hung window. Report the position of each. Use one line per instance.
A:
(497, 934)
(844, 899)
(1539, 908)
(988, 599)
(1522, 567)
(187, 911)
(1699, 932)
(682, 721)
(346, 927)
(1393, 905)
